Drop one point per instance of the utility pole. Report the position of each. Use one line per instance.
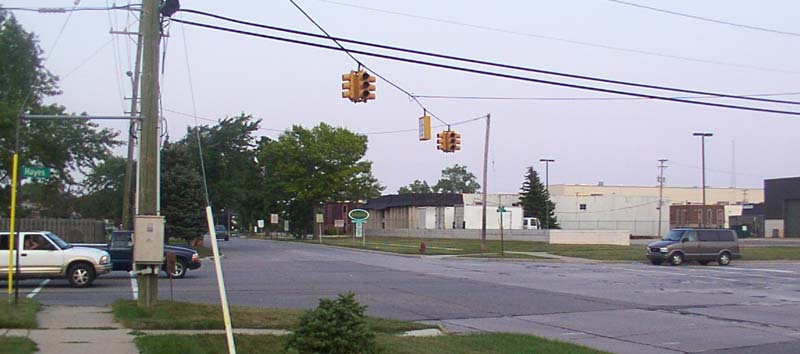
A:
(703, 158)
(485, 166)
(149, 226)
(547, 188)
(127, 198)
(661, 181)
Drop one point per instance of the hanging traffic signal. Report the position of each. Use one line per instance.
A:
(441, 141)
(350, 86)
(366, 87)
(454, 141)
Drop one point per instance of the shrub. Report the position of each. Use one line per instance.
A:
(334, 327)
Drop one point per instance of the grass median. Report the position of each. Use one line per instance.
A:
(472, 247)
(488, 343)
(19, 315)
(185, 315)
(17, 345)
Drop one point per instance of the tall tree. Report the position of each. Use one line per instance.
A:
(535, 200)
(416, 187)
(456, 179)
(303, 168)
(67, 147)
(103, 197)
(182, 192)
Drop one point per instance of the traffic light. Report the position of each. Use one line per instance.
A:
(366, 88)
(441, 141)
(454, 141)
(350, 86)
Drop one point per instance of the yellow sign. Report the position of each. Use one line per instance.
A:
(425, 128)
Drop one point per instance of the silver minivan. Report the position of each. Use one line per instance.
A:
(701, 245)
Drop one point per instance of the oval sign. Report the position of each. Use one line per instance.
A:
(358, 214)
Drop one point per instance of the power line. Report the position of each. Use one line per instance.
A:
(335, 40)
(707, 19)
(511, 98)
(564, 40)
(483, 62)
(488, 73)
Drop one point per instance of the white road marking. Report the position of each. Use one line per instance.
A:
(134, 286)
(38, 289)
(765, 270)
(674, 273)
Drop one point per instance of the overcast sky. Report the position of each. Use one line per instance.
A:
(618, 142)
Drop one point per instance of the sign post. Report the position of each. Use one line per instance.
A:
(501, 210)
(359, 217)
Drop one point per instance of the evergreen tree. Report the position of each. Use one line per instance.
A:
(182, 193)
(535, 200)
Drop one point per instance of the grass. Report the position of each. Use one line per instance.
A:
(472, 247)
(487, 343)
(17, 345)
(184, 315)
(21, 315)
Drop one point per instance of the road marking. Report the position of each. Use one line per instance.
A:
(675, 273)
(134, 286)
(38, 289)
(765, 270)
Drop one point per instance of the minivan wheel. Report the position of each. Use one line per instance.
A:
(655, 261)
(724, 259)
(703, 262)
(676, 258)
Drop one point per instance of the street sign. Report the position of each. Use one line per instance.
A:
(286, 225)
(501, 209)
(425, 128)
(338, 223)
(35, 172)
(320, 218)
(261, 223)
(359, 230)
(273, 218)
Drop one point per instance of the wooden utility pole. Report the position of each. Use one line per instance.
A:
(485, 167)
(661, 180)
(127, 198)
(147, 194)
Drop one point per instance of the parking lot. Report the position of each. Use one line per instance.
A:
(629, 307)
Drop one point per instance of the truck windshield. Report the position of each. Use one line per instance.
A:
(674, 235)
(58, 241)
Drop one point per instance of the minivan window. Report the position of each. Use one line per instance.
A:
(726, 236)
(674, 235)
(690, 236)
(709, 236)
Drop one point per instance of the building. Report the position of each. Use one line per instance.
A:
(335, 219)
(782, 207)
(751, 220)
(692, 215)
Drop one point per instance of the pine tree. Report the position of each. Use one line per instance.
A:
(535, 200)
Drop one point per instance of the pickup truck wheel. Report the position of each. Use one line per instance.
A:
(80, 275)
(180, 269)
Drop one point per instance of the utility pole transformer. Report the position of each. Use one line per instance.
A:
(148, 249)
(661, 181)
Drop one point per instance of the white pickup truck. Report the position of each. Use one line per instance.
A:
(45, 255)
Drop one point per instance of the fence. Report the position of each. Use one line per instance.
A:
(71, 230)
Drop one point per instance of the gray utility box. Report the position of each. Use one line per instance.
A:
(148, 239)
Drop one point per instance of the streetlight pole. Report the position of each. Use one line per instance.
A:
(661, 181)
(547, 188)
(703, 159)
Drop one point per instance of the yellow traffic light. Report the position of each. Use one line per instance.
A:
(441, 141)
(454, 141)
(350, 86)
(366, 88)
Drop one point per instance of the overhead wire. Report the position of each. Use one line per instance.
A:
(482, 62)
(706, 19)
(563, 40)
(490, 73)
(513, 98)
(335, 40)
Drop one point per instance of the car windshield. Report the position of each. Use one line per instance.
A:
(219, 228)
(58, 241)
(674, 235)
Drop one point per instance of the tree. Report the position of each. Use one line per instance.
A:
(456, 179)
(68, 147)
(535, 200)
(416, 187)
(303, 168)
(103, 198)
(182, 192)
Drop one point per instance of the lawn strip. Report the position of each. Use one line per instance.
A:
(20, 315)
(17, 345)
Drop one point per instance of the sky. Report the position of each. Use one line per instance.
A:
(214, 74)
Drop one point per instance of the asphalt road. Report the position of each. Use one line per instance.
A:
(747, 307)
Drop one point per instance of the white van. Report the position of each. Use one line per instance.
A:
(531, 224)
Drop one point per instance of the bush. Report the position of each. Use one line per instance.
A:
(334, 327)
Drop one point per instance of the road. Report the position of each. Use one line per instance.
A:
(747, 307)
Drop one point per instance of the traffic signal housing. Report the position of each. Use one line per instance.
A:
(454, 141)
(441, 141)
(350, 86)
(366, 87)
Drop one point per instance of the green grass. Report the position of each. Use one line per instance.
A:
(21, 315)
(770, 253)
(17, 345)
(487, 343)
(184, 315)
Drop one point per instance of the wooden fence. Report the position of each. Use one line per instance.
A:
(71, 230)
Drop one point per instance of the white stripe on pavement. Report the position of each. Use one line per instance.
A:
(38, 289)
(134, 286)
(765, 270)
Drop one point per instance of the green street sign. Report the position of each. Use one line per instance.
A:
(35, 172)
(501, 210)
(358, 215)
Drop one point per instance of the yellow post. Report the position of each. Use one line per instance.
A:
(11, 237)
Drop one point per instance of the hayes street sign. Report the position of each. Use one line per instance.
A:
(35, 172)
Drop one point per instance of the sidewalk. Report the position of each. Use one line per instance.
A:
(78, 330)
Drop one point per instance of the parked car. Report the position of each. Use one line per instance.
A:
(120, 246)
(222, 233)
(45, 255)
(701, 245)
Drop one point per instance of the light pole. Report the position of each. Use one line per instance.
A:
(547, 188)
(661, 181)
(703, 159)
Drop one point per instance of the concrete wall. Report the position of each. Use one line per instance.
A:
(611, 212)
(681, 195)
(773, 224)
(492, 200)
(512, 218)
(590, 237)
(576, 237)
